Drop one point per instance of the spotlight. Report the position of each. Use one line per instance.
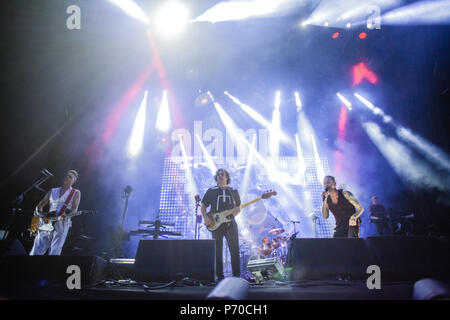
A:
(366, 102)
(349, 25)
(387, 119)
(319, 168)
(163, 120)
(172, 18)
(344, 101)
(326, 24)
(202, 100)
(335, 35)
(277, 100)
(137, 135)
(362, 35)
(131, 9)
(298, 102)
(207, 156)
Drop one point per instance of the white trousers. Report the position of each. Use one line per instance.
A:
(53, 241)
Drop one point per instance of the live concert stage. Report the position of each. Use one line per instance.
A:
(253, 150)
(341, 270)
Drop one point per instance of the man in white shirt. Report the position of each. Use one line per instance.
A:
(64, 197)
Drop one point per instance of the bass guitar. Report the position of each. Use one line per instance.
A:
(225, 216)
(47, 220)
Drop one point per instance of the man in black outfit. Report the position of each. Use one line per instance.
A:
(345, 208)
(378, 215)
(221, 198)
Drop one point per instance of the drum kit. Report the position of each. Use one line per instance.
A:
(275, 246)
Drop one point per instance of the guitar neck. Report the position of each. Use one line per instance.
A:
(250, 202)
(68, 215)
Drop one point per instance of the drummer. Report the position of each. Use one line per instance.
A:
(277, 239)
(266, 247)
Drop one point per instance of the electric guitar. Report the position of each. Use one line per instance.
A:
(225, 216)
(47, 220)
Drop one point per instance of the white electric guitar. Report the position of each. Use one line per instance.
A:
(47, 220)
(226, 216)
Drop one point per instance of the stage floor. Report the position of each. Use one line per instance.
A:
(302, 290)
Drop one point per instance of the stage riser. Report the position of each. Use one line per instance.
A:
(165, 260)
(399, 258)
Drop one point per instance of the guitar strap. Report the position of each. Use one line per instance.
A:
(232, 196)
(64, 207)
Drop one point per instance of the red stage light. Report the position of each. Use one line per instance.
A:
(335, 35)
(362, 35)
(361, 72)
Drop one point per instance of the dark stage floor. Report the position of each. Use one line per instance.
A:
(304, 290)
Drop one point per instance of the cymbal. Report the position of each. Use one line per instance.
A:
(276, 231)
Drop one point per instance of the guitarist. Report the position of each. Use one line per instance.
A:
(64, 197)
(221, 198)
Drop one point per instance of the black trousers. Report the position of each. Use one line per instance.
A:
(228, 230)
(343, 230)
(381, 226)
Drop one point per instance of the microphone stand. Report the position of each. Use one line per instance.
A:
(157, 227)
(198, 219)
(126, 195)
(17, 208)
(314, 219)
(117, 238)
(295, 232)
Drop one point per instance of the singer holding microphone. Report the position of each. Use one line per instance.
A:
(345, 208)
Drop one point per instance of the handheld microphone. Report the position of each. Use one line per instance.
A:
(197, 198)
(323, 197)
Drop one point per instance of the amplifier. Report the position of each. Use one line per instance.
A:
(266, 269)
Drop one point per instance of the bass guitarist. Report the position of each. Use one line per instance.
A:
(221, 198)
(61, 199)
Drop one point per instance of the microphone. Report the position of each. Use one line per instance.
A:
(197, 198)
(46, 172)
(127, 191)
(323, 197)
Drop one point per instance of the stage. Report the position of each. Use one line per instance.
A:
(376, 268)
(152, 147)
(303, 290)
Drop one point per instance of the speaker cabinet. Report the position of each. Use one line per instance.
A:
(33, 270)
(411, 257)
(329, 258)
(166, 260)
(11, 248)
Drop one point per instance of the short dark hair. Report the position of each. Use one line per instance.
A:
(331, 177)
(226, 173)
